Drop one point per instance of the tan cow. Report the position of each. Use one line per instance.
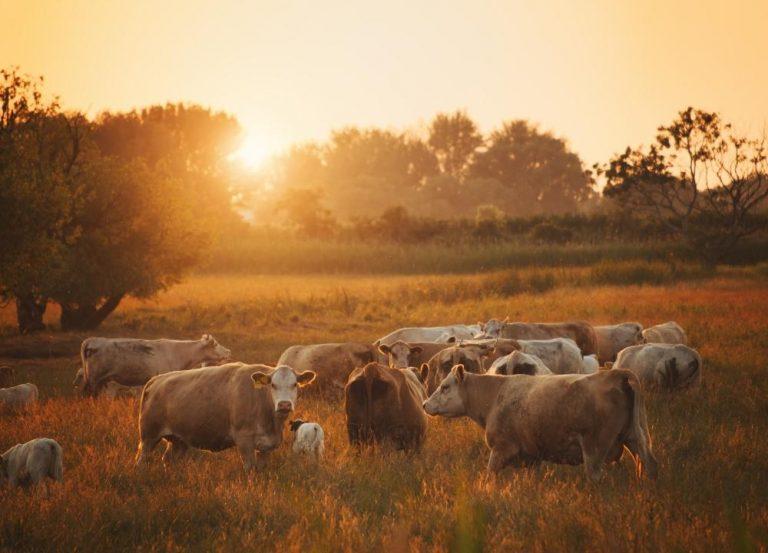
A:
(665, 333)
(30, 463)
(215, 408)
(333, 363)
(662, 366)
(132, 362)
(567, 419)
(18, 398)
(472, 356)
(384, 404)
(401, 355)
(579, 331)
(611, 339)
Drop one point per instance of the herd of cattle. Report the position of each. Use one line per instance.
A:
(561, 392)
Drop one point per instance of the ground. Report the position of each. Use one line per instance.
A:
(712, 491)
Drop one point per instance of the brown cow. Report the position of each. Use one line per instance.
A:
(333, 363)
(580, 332)
(568, 419)
(215, 408)
(384, 404)
(402, 355)
(472, 356)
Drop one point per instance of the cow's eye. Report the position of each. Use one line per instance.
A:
(444, 388)
(274, 387)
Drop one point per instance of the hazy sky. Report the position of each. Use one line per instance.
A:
(603, 74)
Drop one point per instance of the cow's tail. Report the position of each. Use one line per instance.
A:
(638, 438)
(57, 462)
(86, 352)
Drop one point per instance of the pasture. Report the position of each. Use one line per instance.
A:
(712, 491)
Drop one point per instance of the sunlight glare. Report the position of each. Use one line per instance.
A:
(251, 154)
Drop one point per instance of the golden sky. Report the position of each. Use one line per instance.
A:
(604, 74)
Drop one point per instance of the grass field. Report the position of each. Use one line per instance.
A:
(712, 493)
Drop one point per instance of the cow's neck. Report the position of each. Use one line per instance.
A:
(191, 356)
(480, 393)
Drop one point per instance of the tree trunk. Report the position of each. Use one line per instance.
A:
(87, 317)
(29, 313)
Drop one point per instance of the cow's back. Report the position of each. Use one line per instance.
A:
(332, 363)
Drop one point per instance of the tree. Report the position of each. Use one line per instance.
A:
(454, 140)
(303, 207)
(699, 178)
(539, 172)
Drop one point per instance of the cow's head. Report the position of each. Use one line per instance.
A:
(213, 352)
(491, 329)
(447, 400)
(421, 372)
(470, 356)
(399, 354)
(295, 424)
(283, 384)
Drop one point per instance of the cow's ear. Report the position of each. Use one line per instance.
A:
(307, 377)
(384, 348)
(416, 349)
(506, 319)
(458, 370)
(261, 379)
(207, 339)
(481, 325)
(424, 372)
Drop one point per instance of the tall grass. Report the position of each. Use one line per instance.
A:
(711, 495)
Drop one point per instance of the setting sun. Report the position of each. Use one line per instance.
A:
(252, 153)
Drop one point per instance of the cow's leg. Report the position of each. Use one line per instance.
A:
(594, 455)
(261, 459)
(499, 458)
(638, 442)
(247, 451)
(175, 450)
(146, 445)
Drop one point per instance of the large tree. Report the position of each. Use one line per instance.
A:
(454, 139)
(538, 170)
(699, 178)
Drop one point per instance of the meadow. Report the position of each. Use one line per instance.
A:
(711, 495)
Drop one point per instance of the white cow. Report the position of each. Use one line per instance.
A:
(441, 334)
(31, 462)
(19, 397)
(559, 355)
(132, 362)
(518, 362)
(662, 366)
(310, 438)
(665, 333)
(591, 364)
(611, 339)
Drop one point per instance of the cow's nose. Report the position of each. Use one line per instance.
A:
(284, 406)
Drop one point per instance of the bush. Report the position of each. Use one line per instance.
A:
(550, 233)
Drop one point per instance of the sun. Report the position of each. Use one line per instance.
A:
(252, 153)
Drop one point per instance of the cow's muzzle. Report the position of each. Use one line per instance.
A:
(284, 407)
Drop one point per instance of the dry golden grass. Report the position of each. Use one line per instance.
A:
(712, 493)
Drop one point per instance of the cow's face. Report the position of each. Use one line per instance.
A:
(492, 329)
(214, 352)
(399, 354)
(283, 385)
(446, 400)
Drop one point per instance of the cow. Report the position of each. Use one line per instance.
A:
(19, 398)
(518, 362)
(591, 364)
(111, 390)
(472, 356)
(7, 375)
(333, 363)
(439, 334)
(215, 408)
(579, 331)
(665, 333)
(30, 463)
(309, 438)
(611, 339)
(132, 362)
(662, 366)
(383, 404)
(560, 355)
(566, 419)
(401, 355)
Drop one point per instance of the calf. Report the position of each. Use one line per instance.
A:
(567, 419)
(29, 463)
(215, 408)
(18, 398)
(662, 366)
(309, 438)
(384, 404)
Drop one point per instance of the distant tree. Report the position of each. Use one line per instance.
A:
(489, 222)
(454, 139)
(538, 171)
(699, 178)
(304, 210)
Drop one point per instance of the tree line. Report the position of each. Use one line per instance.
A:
(125, 203)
